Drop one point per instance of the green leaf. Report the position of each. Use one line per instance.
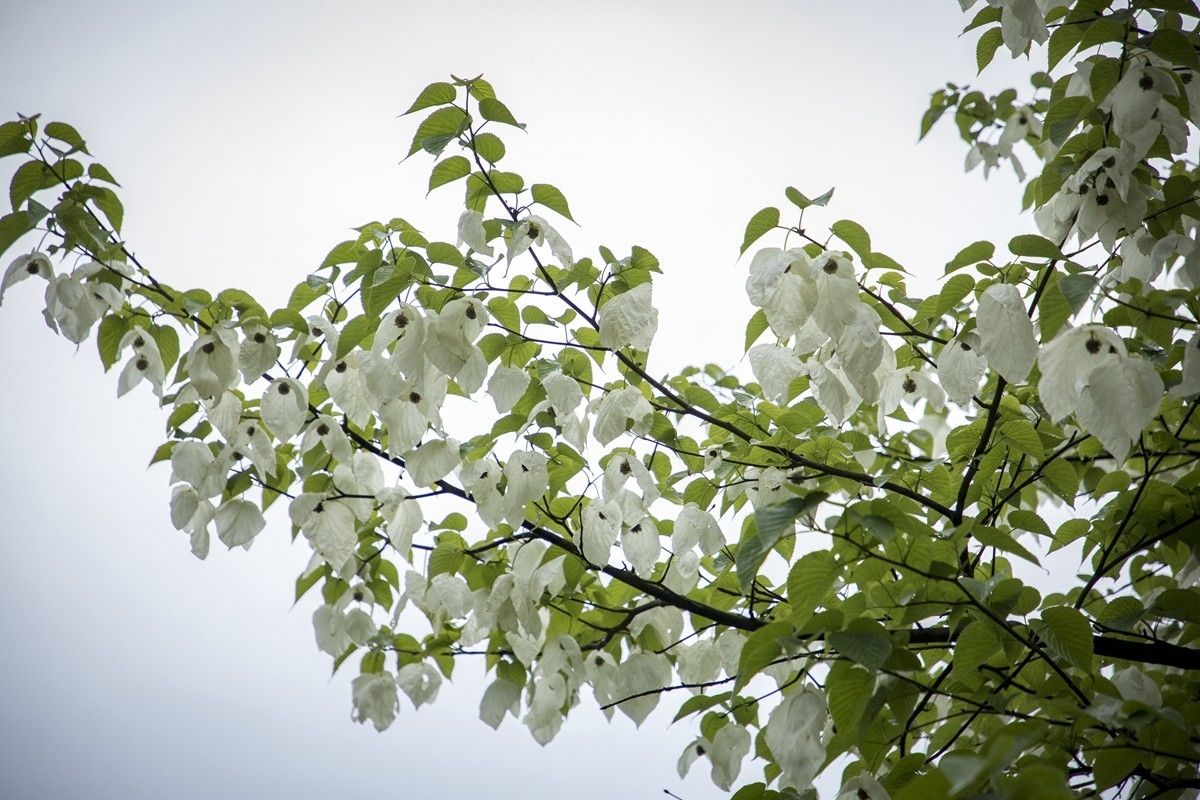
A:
(167, 340)
(864, 641)
(492, 109)
(760, 224)
(309, 580)
(1030, 245)
(802, 201)
(99, 172)
(854, 235)
(438, 129)
(1064, 116)
(1021, 435)
(849, 689)
(12, 227)
(66, 134)
(761, 648)
(551, 198)
(489, 147)
(435, 94)
(971, 254)
(353, 332)
(108, 337)
(1077, 289)
(770, 524)
(505, 312)
(700, 702)
(1114, 764)
(448, 171)
(808, 583)
(986, 47)
(28, 178)
(110, 205)
(1067, 635)
(755, 327)
(975, 645)
(953, 291)
(1174, 46)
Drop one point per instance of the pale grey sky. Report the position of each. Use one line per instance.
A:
(249, 138)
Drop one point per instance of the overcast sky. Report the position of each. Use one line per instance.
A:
(249, 137)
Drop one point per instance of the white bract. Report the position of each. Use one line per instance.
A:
(629, 319)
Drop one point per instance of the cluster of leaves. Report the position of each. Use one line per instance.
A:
(824, 574)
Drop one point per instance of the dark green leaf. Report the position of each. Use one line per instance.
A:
(551, 198)
(986, 47)
(492, 109)
(854, 235)
(448, 171)
(759, 225)
(435, 94)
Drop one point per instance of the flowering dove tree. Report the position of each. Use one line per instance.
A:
(822, 562)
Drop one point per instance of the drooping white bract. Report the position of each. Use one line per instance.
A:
(449, 342)
(961, 367)
(420, 681)
(1117, 403)
(433, 461)
(194, 463)
(600, 526)
(862, 351)
(1143, 256)
(212, 362)
(776, 284)
(481, 479)
(404, 331)
(1006, 336)
(257, 352)
(192, 514)
(908, 385)
(284, 407)
(472, 234)
(76, 302)
(499, 698)
(1189, 384)
(1139, 111)
(642, 672)
(862, 787)
(536, 231)
(1021, 21)
(1020, 123)
(698, 662)
(769, 489)
(324, 430)
(526, 480)
(696, 527)
(250, 441)
(794, 734)
(238, 522)
(836, 399)
(1066, 361)
(726, 751)
(361, 479)
(629, 319)
(506, 386)
(403, 515)
(1114, 396)
(834, 293)
(623, 466)
(617, 409)
(26, 266)
(774, 367)
(329, 526)
(375, 699)
(640, 545)
(145, 364)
